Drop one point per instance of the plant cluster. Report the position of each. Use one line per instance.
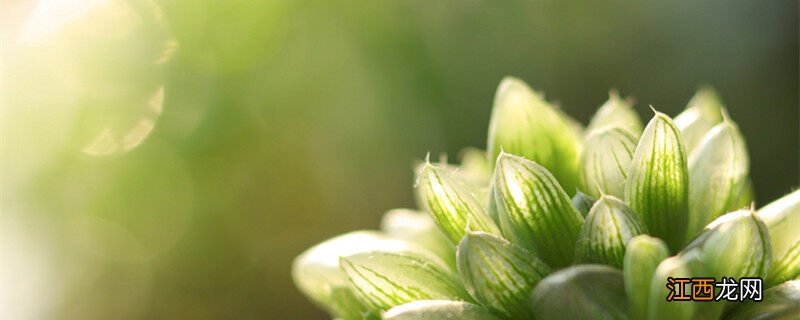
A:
(499, 237)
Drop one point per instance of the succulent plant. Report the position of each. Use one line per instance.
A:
(559, 222)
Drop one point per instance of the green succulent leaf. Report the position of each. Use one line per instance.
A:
(748, 196)
(524, 124)
(455, 209)
(779, 302)
(418, 227)
(581, 292)
(658, 307)
(606, 232)
(642, 257)
(782, 218)
(734, 245)
(658, 182)
(473, 173)
(317, 274)
(438, 310)
(703, 112)
(383, 280)
(616, 113)
(718, 175)
(499, 274)
(583, 203)
(509, 212)
(534, 211)
(605, 161)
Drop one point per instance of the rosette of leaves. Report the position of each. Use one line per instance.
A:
(555, 221)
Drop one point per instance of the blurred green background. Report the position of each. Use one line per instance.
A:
(168, 159)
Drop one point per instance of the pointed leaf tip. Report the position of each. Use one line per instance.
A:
(451, 204)
(535, 211)
(524, 124)
(616, 113)
(658, 181)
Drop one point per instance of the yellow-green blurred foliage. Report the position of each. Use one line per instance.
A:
(167, 159)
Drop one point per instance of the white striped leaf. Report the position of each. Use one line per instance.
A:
(718, 173)
(455, 209)
(605, 161)
(317, 274)
(534, 211)
(524, 124)
(734, 245)
(499, 274)
(606, 232)
(383, 280)
(658, 182)
(782, 218)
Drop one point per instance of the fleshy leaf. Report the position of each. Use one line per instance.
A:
(606, 232)
(418, 227)
(748, 196)
(782, 218)
(438, 310)
(658, 182)
(718, 173)
(605, 161)
(642, 257)
(524, 124)
(473, 172)
(734, 245)
(454, 208)
(583, 203)
(499, 274)
(317, 274)
(658, 307)
(779, 302)
(383, 280)
(616, 113)
(581, 292)
(703, 112)
(534, 211)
